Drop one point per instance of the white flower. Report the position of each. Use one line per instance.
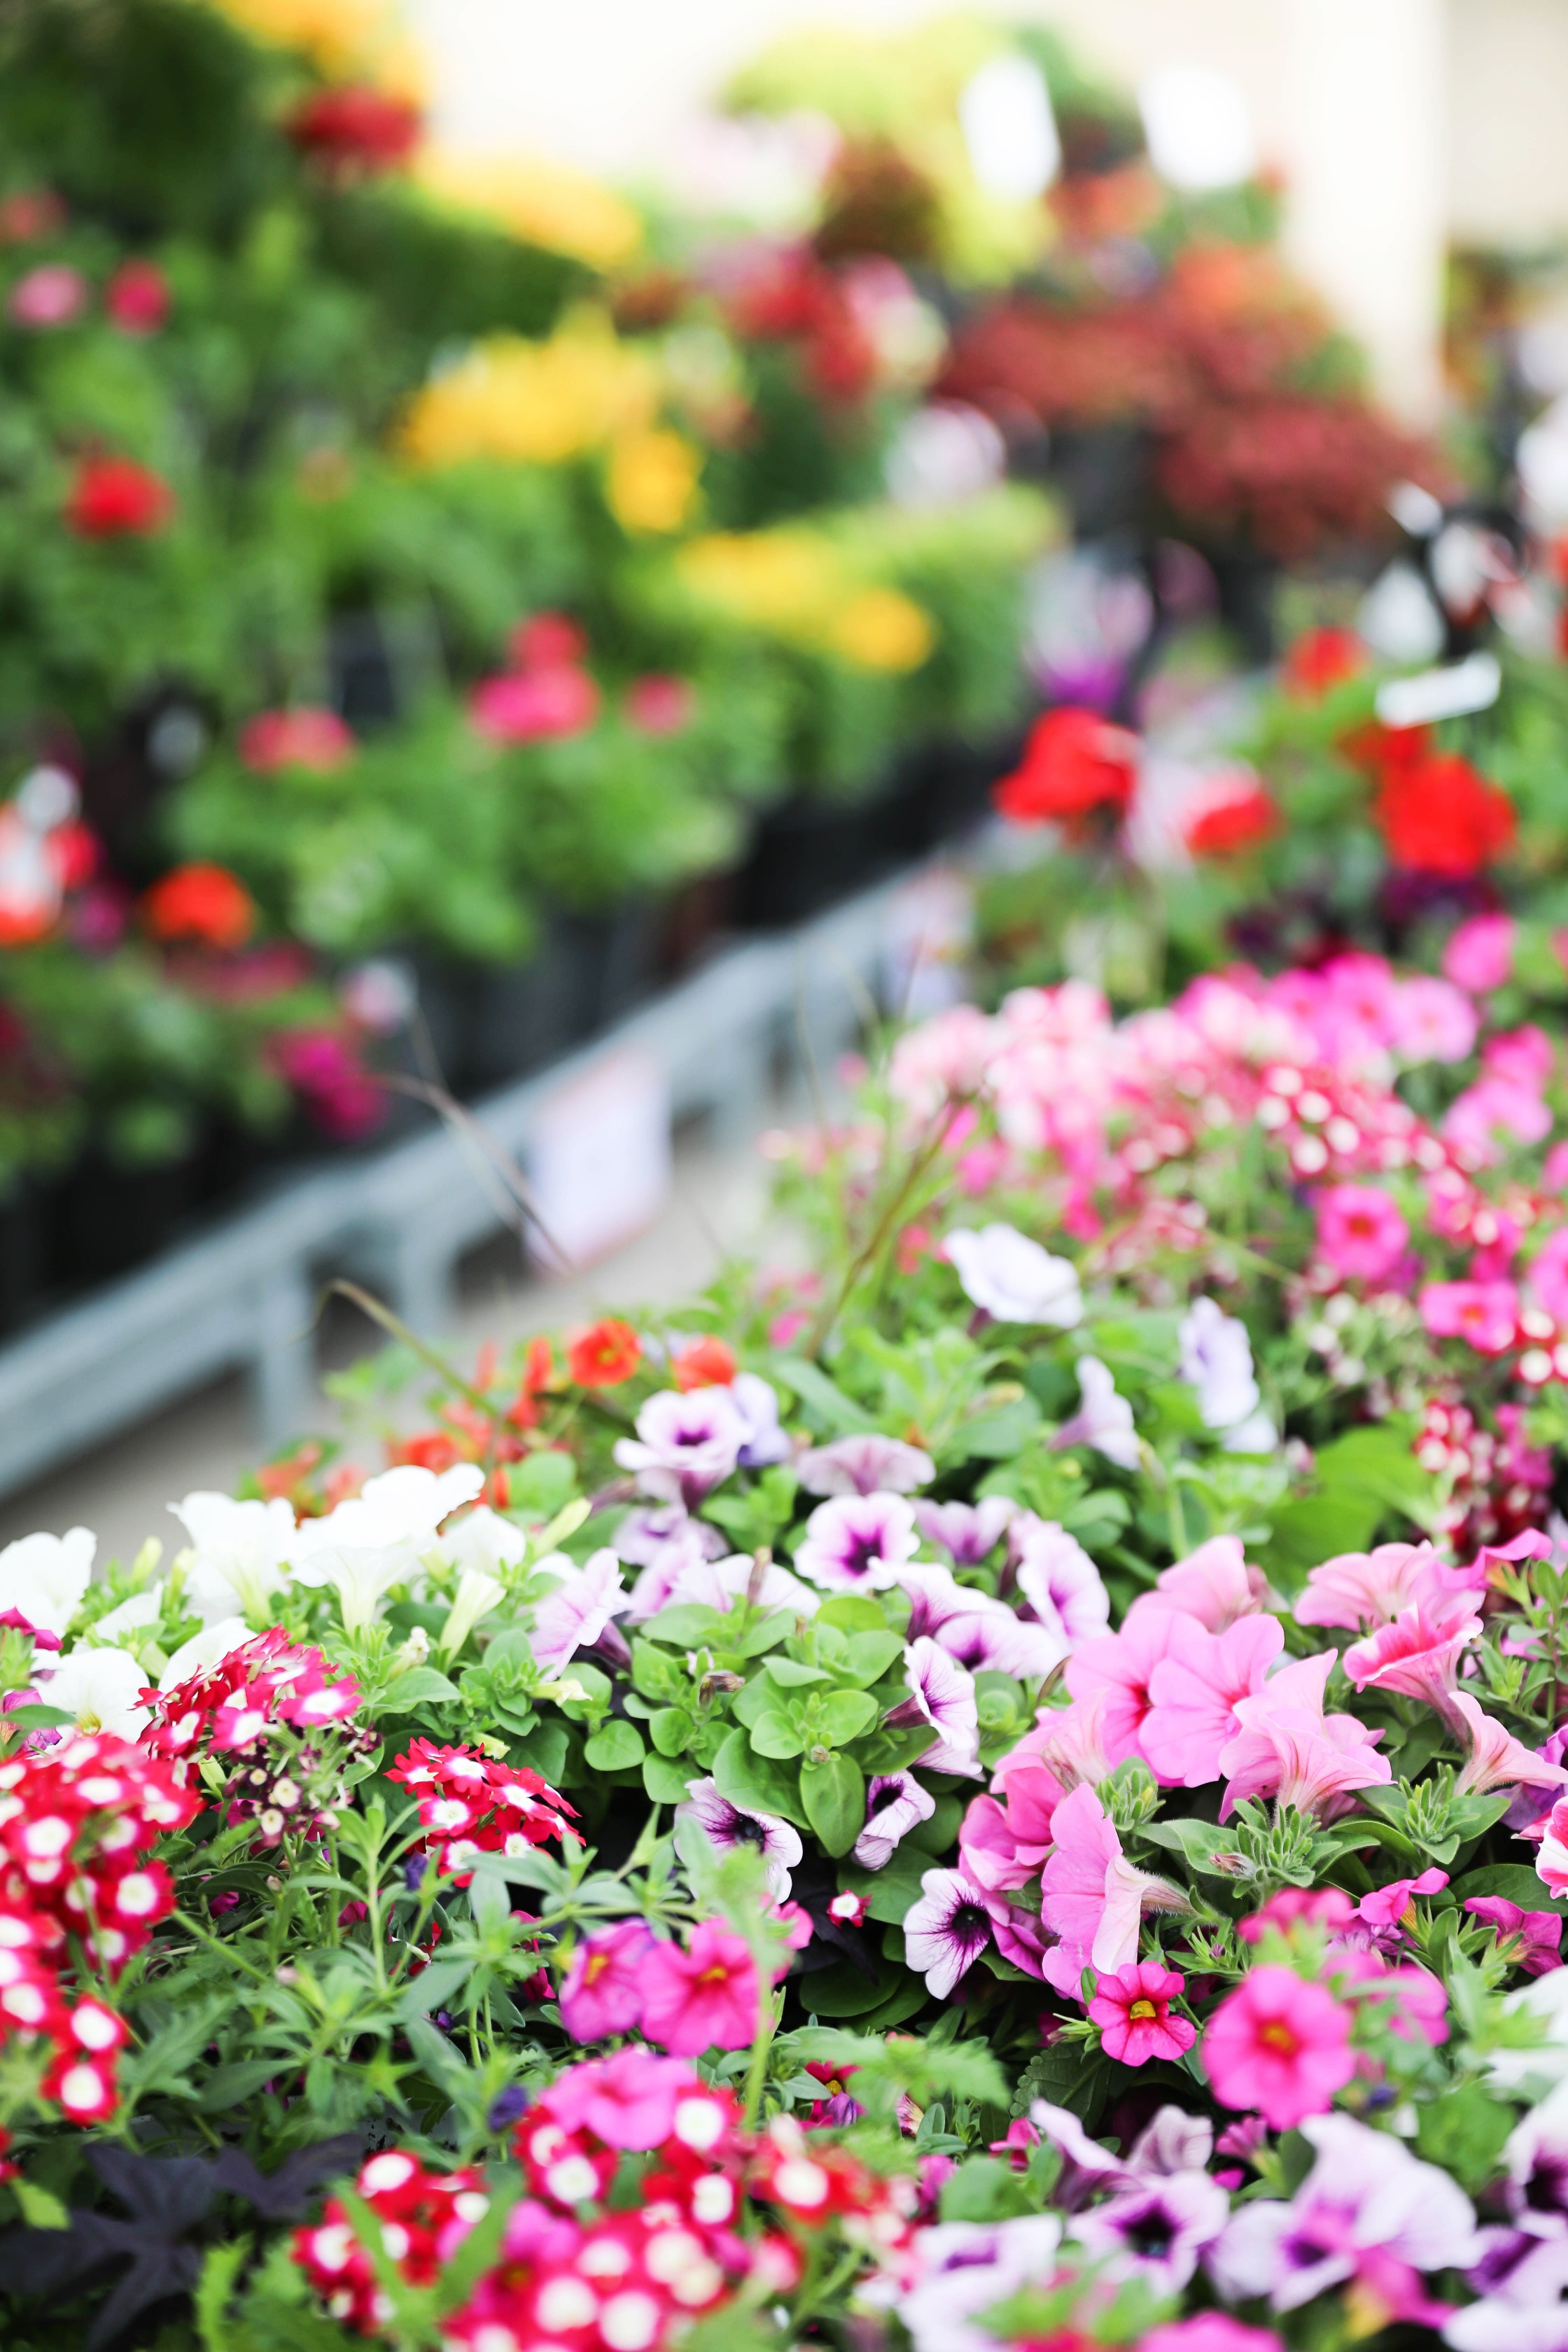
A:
(238, 1552)
(142, 1609)
(98, 1687)
(1014, 1278)
(1545, 1999)
(376, 1539)
(1104, 1417)
(203, 1651)
(480, 1547)
(1217, 1360)
(46, 1576)
(719, 1583)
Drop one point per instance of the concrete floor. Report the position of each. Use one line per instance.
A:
(715, 1207)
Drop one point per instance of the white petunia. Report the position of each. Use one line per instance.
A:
(1012, 1278)
(203, 1651)
(376, 1539)
(45, 1577)
(239, 1552)
(98, 1687)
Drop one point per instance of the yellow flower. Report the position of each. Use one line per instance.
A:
(335, 33)
(783, 581)
(652, 481)
(545, 204)
(883, 629)
(537, 403)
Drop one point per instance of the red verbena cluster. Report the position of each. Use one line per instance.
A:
(424, 2216)
(1436, 814)
(76, 1821)
(227, 1709)
(469, 1805)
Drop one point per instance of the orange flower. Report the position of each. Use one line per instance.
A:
(604, 1356)
(706, 1364)
(1321, 659)
(538, 1374)
(206, 903)
(431, 1449)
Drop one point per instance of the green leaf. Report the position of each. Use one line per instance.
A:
(999, 1433)
(1515, 1881)
(776, 1627)
(774, 1734)
(790, 1673)
(545, 1748)
(420, 1686)
(619, 1748)
(666, 1782)
(541, 1484)
(1197, 1841)
(892, 1892)
(851, 1613)
(754, 1782)
(687, 1625)
(230, 2086)
(842, 1991)
(209, 2303)
(845, 1713)
(869, 1655)
(1464, 2132)
(433, 1987)
(834, 1795)
(41, 2209)
(812, 1387)
(670, 1730)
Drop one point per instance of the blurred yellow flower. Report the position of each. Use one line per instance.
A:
(783, 581)
(336, 32)
(537, 403)
(651, 480)
(883, 629)
(545, 204)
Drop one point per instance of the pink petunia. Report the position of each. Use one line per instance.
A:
(627, 2099)
(1279, 2047)
(1417, 1658)
(1479, 955)
(1391, 1905)
(1430, 1020)
(1539, 1933)
(1360, 1589)
(1117, 1667)
(1484, 1313)
(1208, 2331)
(1133, 2011)
(1194, 1689)
(1212, 1584)
(703, 1997)
(602, 1990)
(1552, 1854)
(1005, 1836)
(1091, 1897)
(1549, 1275)
(1292, 1906)
(1287, 1747)
(1361, 1233)
(1496, 1759)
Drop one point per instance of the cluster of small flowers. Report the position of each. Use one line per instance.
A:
(1501, 1484)
(74, 1823)
(573, 2274)
(226, 1710)
(469, 1805)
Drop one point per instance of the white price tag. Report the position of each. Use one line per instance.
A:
(1454, 692)
(599, 1159)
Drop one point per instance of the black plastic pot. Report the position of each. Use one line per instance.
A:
(106, 1218)
(957, 778)
(1247, 583)
(810, 851)
(523, 1014)
(1105, 472)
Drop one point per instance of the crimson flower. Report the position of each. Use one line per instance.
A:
(1439, 816)
(114, 498)
(355, 129)
(137, 298)
(203, 903)
(1074, 764)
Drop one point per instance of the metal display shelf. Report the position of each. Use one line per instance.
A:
(242, 1294)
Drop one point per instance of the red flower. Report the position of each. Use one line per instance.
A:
(538, 1374)
(661, 705)
(317, 740)
(706, 1364)
(355, 127)
(547, 641)
(114, 498)
(1074, 763)
(31, 213)
(206, 903)
(137, 298)
(604, 1356)
(1321, 659)
(1232, 821)
(1437, 815)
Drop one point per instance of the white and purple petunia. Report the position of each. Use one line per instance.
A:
(684, 1444)
(719, 1583)
(981, 1632)
(858, 1543)
(1061, 1584)
(663, 1540)
(577, 1612)
(941, 1693)
(728, 1827)
(1104, 1417)
(895, 1804)
(946, 1930)
(757, 1402)
(968, 1532)
(1217, 1360)
(971, 2268)
(1012, 1278)
(865, 1463)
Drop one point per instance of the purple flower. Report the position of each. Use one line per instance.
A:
(1366, 2201)
(979, 1632)
(719, 1583)
(1156, 2230)
(895, 1804)
(757, 1402)
(941, 1693)
(1057, 1579)
(1217, 1360)
(867, 1464)
(1014, 1278)
(858, 1543)
(1537, 2158)
(664, 1541)
(970, 2267)
(1104, 1417)
(1539, 1933)
(577, 1613)
(968, 1532)
(947, 1929)
(727, 1826)
(685, 1445)
(1523, 2311)
(505, 2107)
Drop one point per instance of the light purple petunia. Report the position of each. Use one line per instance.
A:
(1103, 1418)
(719, 1583)
(981, 1632)
(1057, 1579)
(968, 1532)
(1012, 1278)
(941, 1693)
(864, 1464)
(968, 2269)
(1157, 2230)
(895, 1804)
(858, 1543)
(757, 1402)
(684, 1444)
(578, 1612)
(663, 1540)
(728, 1826)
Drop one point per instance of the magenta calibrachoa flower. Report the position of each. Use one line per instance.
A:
(703, 1997)
(1278, 2046)
(1132, 2008)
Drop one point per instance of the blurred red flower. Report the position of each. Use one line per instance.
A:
(1438, 816)
(137, 298)
(1231, 820)
(357, 128)
(1074, 763)
(114, 498)
(547, 641)
(706, 1364)
(296, 739)
(1321, 659)
(604, 1356)
(204, 903)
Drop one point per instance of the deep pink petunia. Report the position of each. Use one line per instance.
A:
(1278, 2046)
(703, 1997)
(1133, 2011)
(1117, 1667)
(602, 1992)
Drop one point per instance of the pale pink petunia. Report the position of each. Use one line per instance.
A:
(1417, 1658)
(577, 1612)
(1212, 1584)
(1091, 1897)
(1117, 1667)
(1360, 1589)
(1071, 1742)
(1496, 1759)
(1194, 1689)
(1496, 1113)
(1278, 2046)
(1479, 956)
(1430, 1020)
(1287, 1747)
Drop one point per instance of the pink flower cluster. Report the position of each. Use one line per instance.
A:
(702, 1996)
